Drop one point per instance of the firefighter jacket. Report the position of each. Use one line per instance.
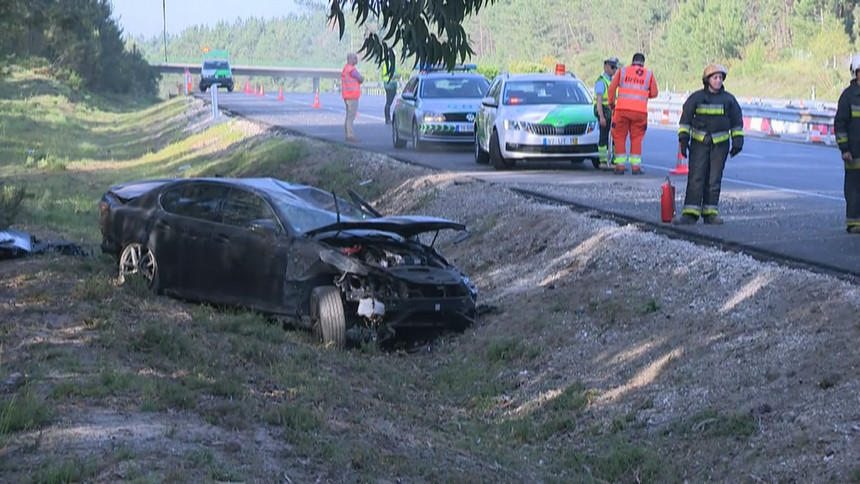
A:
(631, 88)
(709, 117)
(846, 124)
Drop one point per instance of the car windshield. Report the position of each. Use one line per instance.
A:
(546, 92)
(315, 208)
(216, 65)
(453, 87)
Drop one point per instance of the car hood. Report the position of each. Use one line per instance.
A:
(555, 114)
(403, 225)
(451, 105)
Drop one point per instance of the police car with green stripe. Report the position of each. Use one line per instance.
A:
(438, 106)
(536, 117)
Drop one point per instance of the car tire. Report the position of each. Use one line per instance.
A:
(395, 135)
(139, 260)
(481, 156)
(230, 88)
(595, 162)
(327, 317)
(496, 158)
(416, 139)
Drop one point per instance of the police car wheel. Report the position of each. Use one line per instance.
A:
(496, 157)
(416, 138)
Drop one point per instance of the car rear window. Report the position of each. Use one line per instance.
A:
(452, 87)
(546, 92)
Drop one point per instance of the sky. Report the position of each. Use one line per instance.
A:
(144, 17)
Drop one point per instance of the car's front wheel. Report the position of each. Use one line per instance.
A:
(481, 156)
(395, 135)
(416, 137)
(230, 88)
(496, 158)
(139, 260)
(595, 162)
(327, 317)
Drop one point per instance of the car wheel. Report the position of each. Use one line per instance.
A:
(481, 156)
(496, 158)
(137, 259)
(327, 318)
(395, 135)
(416, 139)
(230, 88)
(595, 162)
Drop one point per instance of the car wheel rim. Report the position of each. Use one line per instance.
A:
(135, 259)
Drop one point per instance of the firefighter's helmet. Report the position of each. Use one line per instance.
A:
(712, 69)
(855, 63)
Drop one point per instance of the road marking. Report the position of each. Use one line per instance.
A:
(768, 187)
(378, 118)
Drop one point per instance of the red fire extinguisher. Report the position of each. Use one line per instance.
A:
(667, 202)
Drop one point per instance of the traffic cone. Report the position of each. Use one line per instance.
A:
(316, 104)
(681, 167)
(247, 87)
(262, 93)
(280, 93)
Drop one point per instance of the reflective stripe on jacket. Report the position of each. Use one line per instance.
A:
(350, 88)
(711, 118)
(635, 85)
(846, 123)
(606, 82)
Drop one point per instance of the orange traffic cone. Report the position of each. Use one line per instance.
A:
(247, 87)
(316, 104)
(280, 93)
(681, 167)
(262, 93)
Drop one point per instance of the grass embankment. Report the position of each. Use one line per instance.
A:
(123, 385)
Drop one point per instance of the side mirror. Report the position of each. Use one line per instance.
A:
(489, 101)
(264, 227)
(408, 96)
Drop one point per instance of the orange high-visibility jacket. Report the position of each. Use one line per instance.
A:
(635, 85)
(350, 88)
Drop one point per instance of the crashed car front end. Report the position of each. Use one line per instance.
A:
(388, 285)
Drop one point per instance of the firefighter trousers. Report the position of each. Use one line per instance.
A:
(626, 123)
(707, 161)
(852, 196)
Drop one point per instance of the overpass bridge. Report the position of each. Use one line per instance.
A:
(315, 73)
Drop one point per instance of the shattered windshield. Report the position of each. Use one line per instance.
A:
(315, 208)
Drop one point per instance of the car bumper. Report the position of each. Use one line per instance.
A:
(522, 145)
(447, 132)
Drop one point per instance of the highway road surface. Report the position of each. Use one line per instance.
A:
(780, 200)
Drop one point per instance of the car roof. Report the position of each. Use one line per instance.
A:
(433, 75)
(540, 77)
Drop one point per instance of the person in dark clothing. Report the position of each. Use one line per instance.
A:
(710, 119)
(846, 124)
(389, 82)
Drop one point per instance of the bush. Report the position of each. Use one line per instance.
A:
(11, 198)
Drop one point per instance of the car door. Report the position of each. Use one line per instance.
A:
(250, 247)
(182, 232)
(487, 114)
(405, 109)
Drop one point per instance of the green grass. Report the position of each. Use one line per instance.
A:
(24, 410)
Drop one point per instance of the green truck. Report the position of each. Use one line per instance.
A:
(216, 70)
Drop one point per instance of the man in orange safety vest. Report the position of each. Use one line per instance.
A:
(629, 92)
(350, 90)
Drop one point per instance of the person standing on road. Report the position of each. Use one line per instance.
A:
(709, 119)
(602, 110)
(350, 90)
(629, 92)
(389, 82)
(846, 124)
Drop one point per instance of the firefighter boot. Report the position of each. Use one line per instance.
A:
(620, 169)
(685, 219)
(636, 170)
(713, 220)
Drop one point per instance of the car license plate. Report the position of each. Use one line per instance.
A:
(465, 128)
(561, 140)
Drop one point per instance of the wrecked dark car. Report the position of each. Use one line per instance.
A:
(293, 251)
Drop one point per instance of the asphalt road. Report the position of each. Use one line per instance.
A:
(780, 199)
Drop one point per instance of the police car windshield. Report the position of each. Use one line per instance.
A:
(452, 87)
(546, 92)
(216, 65)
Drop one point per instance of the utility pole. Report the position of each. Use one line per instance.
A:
(164, 17)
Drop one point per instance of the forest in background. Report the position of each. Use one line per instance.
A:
(772, 48)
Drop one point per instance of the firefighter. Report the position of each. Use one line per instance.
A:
(602, 110)
(846, 124)
(711, 119)
(629, 92)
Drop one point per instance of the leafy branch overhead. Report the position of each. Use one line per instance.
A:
(428, 31)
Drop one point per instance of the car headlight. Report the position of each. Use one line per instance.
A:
(432, 117)
(517, 125)
(592, 126)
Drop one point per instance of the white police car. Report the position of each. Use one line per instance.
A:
(536, 117)
(437, 105)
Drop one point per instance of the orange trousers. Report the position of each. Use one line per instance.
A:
(624, 122)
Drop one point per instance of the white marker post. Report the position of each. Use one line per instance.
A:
(213, 90)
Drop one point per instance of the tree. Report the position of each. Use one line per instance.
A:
(429, 31)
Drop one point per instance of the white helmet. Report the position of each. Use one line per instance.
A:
(855, 63)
